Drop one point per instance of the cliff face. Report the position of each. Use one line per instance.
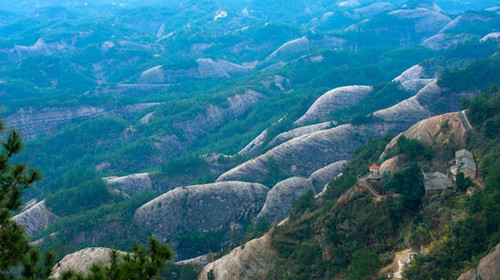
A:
(32, 122)
(35, 217)
(252, 261)
(201, 207)
(488, 268)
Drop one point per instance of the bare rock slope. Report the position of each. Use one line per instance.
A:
(413, 78)
(201, 207)
(322, 176)
(252, 261)
(301, 156)
(297, 132)
(304, 44)
(204, 68)
(280, 198)
(333, 100)
(216, 115)
(131, 184)
(35, 217)
(439, 129)
(83, 260)
(426, 21)
(304, 155)
(488, 268)
(33, 121)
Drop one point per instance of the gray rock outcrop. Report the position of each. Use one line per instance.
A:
(131, 184)
(215, 115)
(495, 9)
(31, 121)
(411, 110)
(455, 31)
(278, 82)
(426, 4)
(205, 68)
(443, 41)
(280, 198)
(201, 207)
(333, 100)
(168, 146)
(297, 132)
(254, 145)
(306, 154)
(252, 261)
(488, 268)
(303, 155)
(426, 21)
(436, 131)
(491, 36)
(279, 201)
(373, 9)
(201, 260)
(82, 261)
(304, 44)
(40, 47)
(413, 78)
(35, 217)
(323, 176)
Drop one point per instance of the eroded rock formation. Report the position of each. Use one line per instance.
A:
(201, 207)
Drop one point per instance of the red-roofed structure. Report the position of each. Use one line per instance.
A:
(374, 168)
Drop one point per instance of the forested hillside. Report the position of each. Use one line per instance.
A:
(207, 123)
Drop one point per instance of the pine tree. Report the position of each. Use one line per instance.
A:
(14, 245)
